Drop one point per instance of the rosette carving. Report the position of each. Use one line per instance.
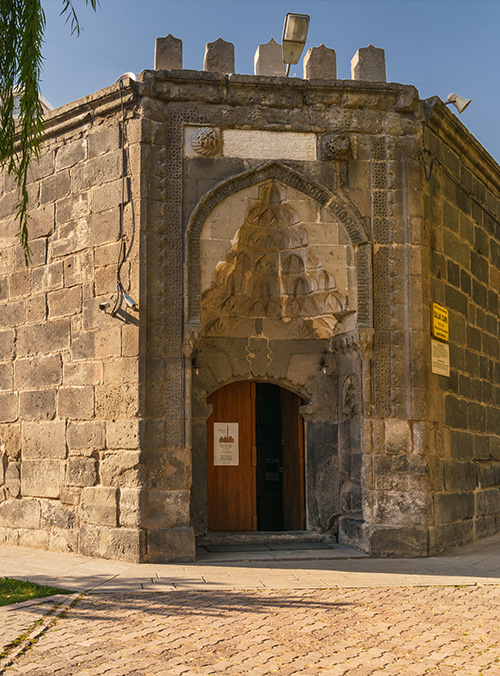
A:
(206, 141)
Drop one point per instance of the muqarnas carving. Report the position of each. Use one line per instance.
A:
(272, 273)
(206, 141)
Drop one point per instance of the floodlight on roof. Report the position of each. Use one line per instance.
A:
(294, 37)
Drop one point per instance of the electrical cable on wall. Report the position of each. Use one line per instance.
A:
(126, 196)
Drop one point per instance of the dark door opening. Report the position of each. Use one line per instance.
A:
(255, 480)
(269, 482)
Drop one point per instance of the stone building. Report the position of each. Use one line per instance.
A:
(226, 323)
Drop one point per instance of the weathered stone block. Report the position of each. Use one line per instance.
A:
(387, 541)
(368, 64)
(81, 472)
(82, 373)
(106, 196)
(104, 227)
(488, 501)
(268, 59)
(50, 336)
(20, 513)
(124, 434)
(65, 302)
(108, 343)
(455, 412)
(397, 436)
(62, 540)
(99, 506)
(41, 222)
(320, 62)
(103, 139)
(13, 313)
(56, 515)
(461, 444)
(13, 479)
(86, 435)
(97, 171)
(9, 536)
(124, 544)
(37, 404)
(54, 187)
(78, 269)
(124, 370)
(132, 506)
(219, 57)
(44, 439)
(70, 154)
(76, 403)
(6, 376)
(72, 208)
(485, 526)
(400, 507)
(70, 238)
(459, 476)
(113, 401)
(82, 345)
(168, 53)
(123, 468)
(450, 535)
(38, 539)
(450, 507)
(40, 371)
(36, 309)
(41, 478)
(167, 509)
(7, 338)
(176, 544)
(8, 406)
(20, 283)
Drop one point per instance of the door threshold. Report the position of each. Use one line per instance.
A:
(266, 540)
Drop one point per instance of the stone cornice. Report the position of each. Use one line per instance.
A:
(100, 104)
(221, 88)
(451, 130)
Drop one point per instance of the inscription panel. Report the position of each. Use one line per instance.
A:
(268, 145)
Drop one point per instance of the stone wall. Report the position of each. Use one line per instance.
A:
(71, 469)
(462, 273)
(102, 412)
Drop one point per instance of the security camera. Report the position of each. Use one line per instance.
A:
(104, 306)
(130, 302)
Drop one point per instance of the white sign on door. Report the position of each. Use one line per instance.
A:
(226, 446)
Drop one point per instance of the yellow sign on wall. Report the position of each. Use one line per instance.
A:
(440, 322)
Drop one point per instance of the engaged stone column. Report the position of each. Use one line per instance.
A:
(320, 62)
(369, 64)
(219, 57)
(268, 59)
(168, 53)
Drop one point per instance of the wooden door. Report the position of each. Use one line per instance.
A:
(292, 433)
(231, 487)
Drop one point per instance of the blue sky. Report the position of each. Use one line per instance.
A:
(439, 46)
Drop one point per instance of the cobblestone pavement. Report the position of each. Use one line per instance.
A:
(18, 619)
(391, 631)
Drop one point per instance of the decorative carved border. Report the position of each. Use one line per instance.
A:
(344, 212)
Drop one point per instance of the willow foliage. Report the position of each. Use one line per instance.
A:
(22, 25)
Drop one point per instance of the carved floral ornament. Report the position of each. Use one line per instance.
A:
(206, 141)
(272, 273)
(336, 146)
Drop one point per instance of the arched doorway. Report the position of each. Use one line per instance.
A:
(255, 442)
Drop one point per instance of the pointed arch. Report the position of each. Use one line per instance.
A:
(344, 212)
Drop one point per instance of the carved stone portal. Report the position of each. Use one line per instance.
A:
(271, 273)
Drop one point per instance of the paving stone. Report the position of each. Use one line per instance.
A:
(411, 630)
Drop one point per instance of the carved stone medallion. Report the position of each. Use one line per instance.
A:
(206, 141)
